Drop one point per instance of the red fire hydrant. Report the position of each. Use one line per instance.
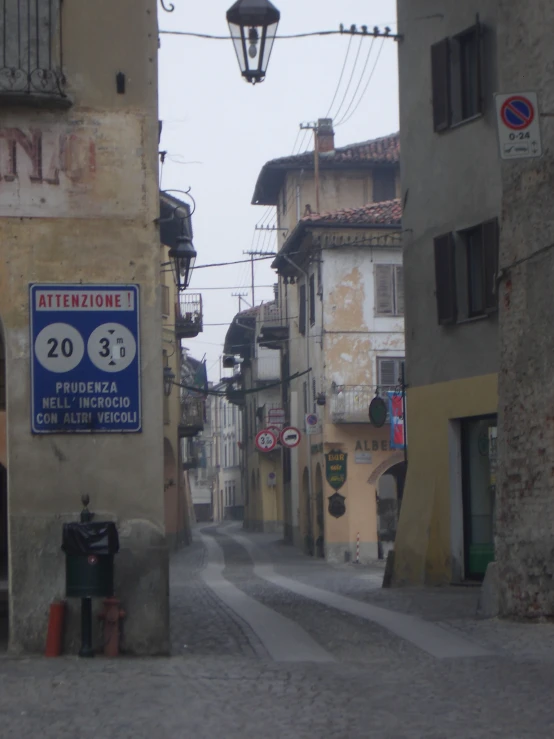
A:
(112, 615)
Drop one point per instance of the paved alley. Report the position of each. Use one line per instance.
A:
(267, 642)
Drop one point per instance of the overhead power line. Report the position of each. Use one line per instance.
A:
(343, 31)
(341, 76)
(346, 119)
(359, 81)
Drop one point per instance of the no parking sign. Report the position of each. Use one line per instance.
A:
(519, 131)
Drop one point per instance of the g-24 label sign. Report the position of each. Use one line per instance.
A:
(85, 368)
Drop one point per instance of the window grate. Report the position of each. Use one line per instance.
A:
(31, 51)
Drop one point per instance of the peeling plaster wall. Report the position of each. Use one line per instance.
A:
(354, 335)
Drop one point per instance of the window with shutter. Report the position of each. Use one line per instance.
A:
(445, 279)
(302, 309)
(490, 264)
(399, 290)
(384, 290)
(440, 73)
(456, 66)
(389, 371)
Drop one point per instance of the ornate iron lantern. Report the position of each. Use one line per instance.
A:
(253, 26)
(183, 257)
(169, 377)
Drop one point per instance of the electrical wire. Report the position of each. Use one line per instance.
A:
(341, 76)
(354, 67)
(345, 120)
(360, 80)
(342, 32)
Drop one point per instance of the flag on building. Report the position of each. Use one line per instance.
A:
(397, 421)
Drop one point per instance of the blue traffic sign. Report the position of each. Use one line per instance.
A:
(85, 362)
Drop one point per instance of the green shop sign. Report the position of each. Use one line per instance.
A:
(335, 468)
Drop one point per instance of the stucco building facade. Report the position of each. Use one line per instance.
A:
(341, 334)
(79, 204)
(452, 195)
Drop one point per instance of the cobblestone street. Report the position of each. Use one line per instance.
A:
(255, 658)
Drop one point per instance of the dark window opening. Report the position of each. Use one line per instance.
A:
(384, 185)
(312, 300)
(302, 309)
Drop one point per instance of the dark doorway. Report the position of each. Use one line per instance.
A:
(478, 493)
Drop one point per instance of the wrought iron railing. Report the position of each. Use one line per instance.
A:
(188, 319)
(31, 48)
(350, 403)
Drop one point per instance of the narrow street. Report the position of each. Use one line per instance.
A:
(267, 642)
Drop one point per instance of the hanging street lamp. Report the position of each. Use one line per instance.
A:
(253, 26)
(182, 259)
(169, 377)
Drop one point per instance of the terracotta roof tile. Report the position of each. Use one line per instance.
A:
(379, 152)
(386, 213)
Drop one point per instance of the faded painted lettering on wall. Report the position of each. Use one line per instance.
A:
(56, 170)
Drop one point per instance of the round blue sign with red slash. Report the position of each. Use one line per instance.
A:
(517, 112)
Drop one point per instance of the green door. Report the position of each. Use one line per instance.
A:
(479, 488)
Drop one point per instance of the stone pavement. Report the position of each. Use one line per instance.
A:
(223, 681)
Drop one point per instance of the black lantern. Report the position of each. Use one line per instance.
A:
(182, 258)
(253, 25)
(169, 377)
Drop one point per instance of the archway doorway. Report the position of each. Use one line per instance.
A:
(320, 513)
(389, 492)
(4, 568)
(308, 524)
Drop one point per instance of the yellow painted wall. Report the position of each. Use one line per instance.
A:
(359, 489)
(423, 548)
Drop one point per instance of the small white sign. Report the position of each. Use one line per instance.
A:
(519, 133)
(312, 424)
(276, 417)
(363, 458)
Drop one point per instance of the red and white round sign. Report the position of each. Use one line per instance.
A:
(290, 437)
(266, 441)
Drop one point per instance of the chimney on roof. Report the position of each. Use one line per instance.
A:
(325, 135)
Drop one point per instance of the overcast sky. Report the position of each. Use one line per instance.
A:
(219, 131)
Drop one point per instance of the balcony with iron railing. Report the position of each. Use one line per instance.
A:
(31, 64)
(191, 422)
(350, 403)
(188, 316)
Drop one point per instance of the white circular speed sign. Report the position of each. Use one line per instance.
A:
(111, 347)
(59, 347)
(290, 437)
(266, 441)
